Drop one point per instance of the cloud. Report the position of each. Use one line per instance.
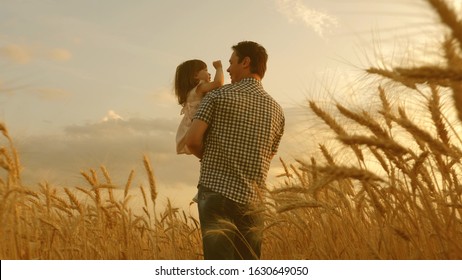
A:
(164, 96)
(111, 115)
(17, 53)
(53, 94)
(113, 125)
(120, 144)
(60, 54)
(24, 54)
(59, 159)
(296, 11)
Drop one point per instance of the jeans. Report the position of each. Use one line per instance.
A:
(230, 231)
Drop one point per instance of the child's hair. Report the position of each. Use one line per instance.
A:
(185, 78)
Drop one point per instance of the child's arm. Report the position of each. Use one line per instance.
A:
(217, 82)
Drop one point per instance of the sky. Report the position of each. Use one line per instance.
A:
(88, 83)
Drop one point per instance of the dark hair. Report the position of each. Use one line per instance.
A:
(185, 78)
(256, 53)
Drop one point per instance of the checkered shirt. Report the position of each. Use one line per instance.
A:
(245, 126)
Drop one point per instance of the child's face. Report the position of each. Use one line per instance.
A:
(203, 75)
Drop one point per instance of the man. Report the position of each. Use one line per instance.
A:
(235, 132)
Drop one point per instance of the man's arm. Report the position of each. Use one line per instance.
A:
(195, 137)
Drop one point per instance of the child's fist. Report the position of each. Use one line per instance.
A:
(217, 64)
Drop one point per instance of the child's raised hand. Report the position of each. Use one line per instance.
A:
(217, 64)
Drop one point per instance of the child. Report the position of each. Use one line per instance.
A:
(192, 83)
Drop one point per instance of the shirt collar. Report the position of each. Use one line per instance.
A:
(250, 80)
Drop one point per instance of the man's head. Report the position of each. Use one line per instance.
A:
(247, 60)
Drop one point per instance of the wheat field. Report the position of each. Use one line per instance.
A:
(386, 185)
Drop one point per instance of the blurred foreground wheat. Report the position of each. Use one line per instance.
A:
(390, 187)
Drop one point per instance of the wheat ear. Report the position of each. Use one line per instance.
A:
(449, 18)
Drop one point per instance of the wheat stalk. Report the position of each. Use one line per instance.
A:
(457, 96)
(449, 18)
(365, 120)
(109, 182)
(435, 110)
(333, 124)
(74, 200)
(329, 158)
(152, 182)
(414, 130)
(386, 106)
(452, 54)
(13, 161)
(392, 75)
(384, 144)
(128, 184)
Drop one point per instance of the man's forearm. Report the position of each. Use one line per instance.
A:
(195, 137)
(197, 150)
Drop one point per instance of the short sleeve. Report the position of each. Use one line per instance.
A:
(206, 109)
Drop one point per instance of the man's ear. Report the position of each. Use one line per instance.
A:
(246, 61)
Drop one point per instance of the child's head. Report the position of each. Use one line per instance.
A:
(186, 78)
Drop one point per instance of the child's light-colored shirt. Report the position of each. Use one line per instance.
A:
(189, 109)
